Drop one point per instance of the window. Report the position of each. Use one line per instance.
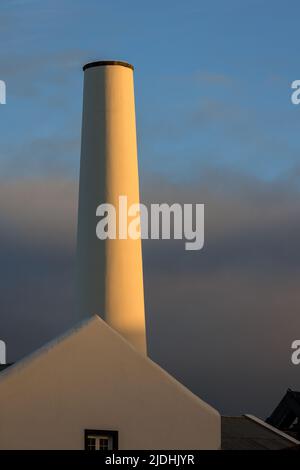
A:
(99, 443)
(101, 440)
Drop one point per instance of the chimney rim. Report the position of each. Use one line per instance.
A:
(102, 63)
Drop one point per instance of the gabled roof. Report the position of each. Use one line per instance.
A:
(248, 432)
(92, 378)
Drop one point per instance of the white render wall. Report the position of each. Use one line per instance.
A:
(110, 272)
(92, 378)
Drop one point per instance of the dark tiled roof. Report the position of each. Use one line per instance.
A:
(244, 433)
(286, 413)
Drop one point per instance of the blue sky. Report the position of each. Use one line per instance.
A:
(212, 82)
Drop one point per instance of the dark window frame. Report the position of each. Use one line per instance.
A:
(96, 432)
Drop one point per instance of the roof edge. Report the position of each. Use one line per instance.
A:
(46, 346)
(272, 428)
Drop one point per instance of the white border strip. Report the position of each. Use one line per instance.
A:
(275, 430)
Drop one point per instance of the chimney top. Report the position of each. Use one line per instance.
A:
(107, 62)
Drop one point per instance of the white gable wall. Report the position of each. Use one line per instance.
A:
(92, 378)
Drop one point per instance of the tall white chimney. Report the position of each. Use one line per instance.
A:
(110, 272)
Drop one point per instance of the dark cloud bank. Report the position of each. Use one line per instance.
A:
(221, 320)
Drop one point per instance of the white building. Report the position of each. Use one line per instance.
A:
(95, 388)
(92, 382)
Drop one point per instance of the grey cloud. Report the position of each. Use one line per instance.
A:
(37, 240)
(26, 76)
(213, 78)
(221, 320)
(41, 156)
